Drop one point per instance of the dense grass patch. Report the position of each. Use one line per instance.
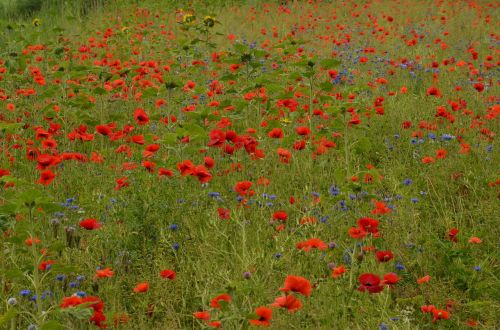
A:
(234, 164)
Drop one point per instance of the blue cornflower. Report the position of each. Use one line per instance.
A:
(407, 182)
(333, 190)
(24, 293)
(81, 294)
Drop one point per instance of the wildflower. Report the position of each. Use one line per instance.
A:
(264, 314)
(224, 214)
(215, 303)
(140, 116)
(168, 274)
(102, 273)
(315, 243)
(370, 282)
(297, 284)
(424, 279)
(338, 271)
(141, 287)
(384, 256)
(390, 279)
(209, 21)
(290, 302)
(475, 240)
(46, 177)
(90, 224)
(204, 315)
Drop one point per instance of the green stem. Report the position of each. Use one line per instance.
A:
(36, 274)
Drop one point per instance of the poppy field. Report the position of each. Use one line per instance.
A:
(245, 164)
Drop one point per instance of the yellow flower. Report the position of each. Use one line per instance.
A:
(209, 21)
(188, 18)
(36, 22)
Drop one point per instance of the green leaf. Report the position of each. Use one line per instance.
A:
(100, 91)
(11, 313)
(329, 63)
(13, 274)
(149, 92)
(339, 175)
(363, 146)
(326, 86)
(240, 48)
(51, 325)
(194, 131)
(10, 127)
(170, 138)
(80, 312)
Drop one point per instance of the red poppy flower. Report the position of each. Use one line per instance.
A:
(168, 274)
(369, 225)
(202, 174)
(44, 265)
(289, 302)
(46, 177)
(441, 153)
(90, 224)
(338, 271)
(242, 188)
(165, 172)
(370, 282)
(356, 232)
(380, 208)
(222, 297)
(284, 155)
(141, 287)
(186, 167)
(276, 133)
(204, 315)
(384, 256)
(297, 284)
(424, 279)
(141, 117)
(303, 130)
(280, 216)
(209, 162)
(313, 243)
(102, 273)
(427, 308)
(433, 91)
(390, 279)
(224, 214)
(30, 241)
(265, 314)
(71, 301)
(475, 240)
(439, 314)
(452, 235)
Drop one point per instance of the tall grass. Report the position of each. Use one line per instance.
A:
(21, 9)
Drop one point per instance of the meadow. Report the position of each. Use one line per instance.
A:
(245, 164)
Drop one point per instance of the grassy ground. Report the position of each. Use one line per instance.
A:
(333, 113)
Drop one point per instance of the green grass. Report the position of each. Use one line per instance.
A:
(159, 222)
